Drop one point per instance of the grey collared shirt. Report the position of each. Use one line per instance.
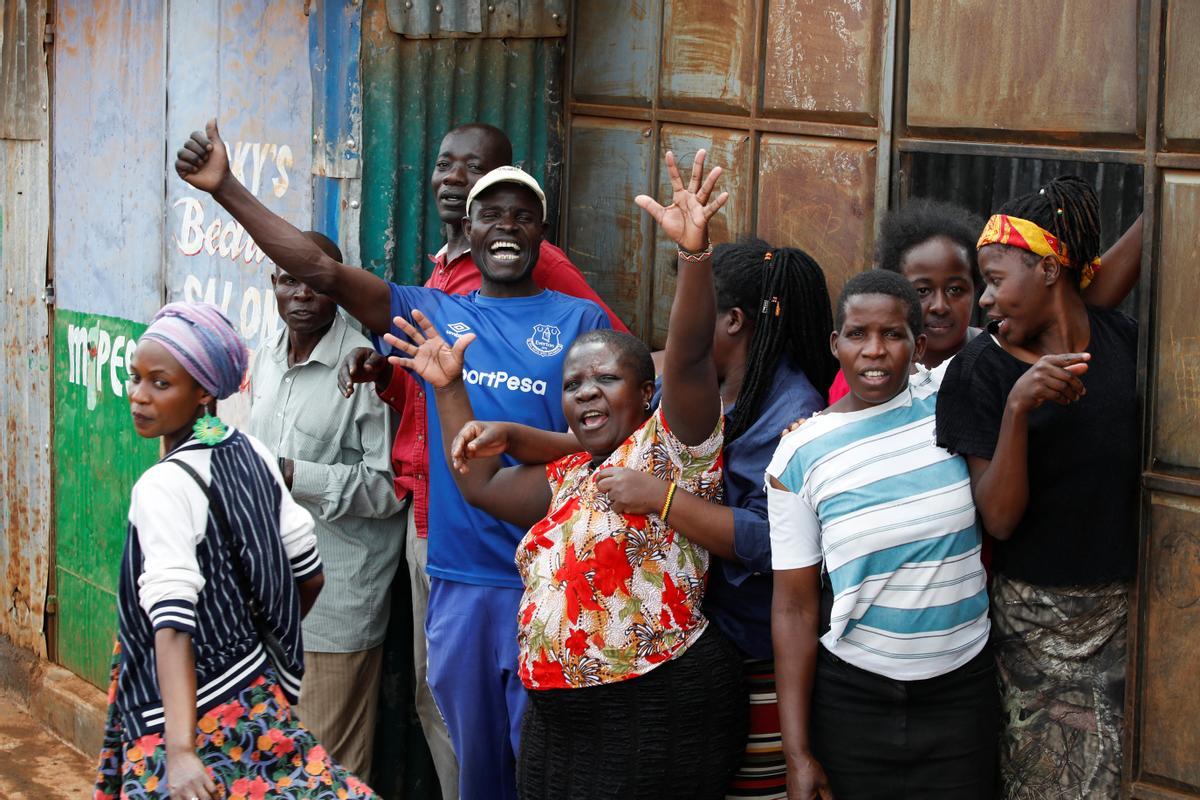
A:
(343, 476)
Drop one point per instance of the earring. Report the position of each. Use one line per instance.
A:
(647, 406)
(210, 430)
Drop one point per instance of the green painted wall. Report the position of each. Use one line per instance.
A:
(97, 459)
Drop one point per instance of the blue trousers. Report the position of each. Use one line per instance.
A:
(472, 637)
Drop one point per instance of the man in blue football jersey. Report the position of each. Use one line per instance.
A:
(513, 372)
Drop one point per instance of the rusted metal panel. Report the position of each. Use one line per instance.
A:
(708, 55)
(109, 61)
(416, 91)
(609, 236)
(1168, 735)
(108, 133)
(23, 103)
(334, 37)
(1181, 117)
(25, 402)
(497, 19)
(1176, 434)
(1045, 66)
(819, 195)
(616, 50)
(822, 59)
(730, 150)
(263, 99)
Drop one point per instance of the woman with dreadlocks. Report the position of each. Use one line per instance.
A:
(1044, 408)
(932, 244)
(770, 348)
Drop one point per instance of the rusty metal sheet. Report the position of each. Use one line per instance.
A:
(23, 103)
(616, 51)
(25, 402)
(1169, 737)
(1176, 434)
(494, 19)
(708, 55)
(108, 132)
(819, 195)
(822, 59)
(1181, 116)
(609, 236)
(727, 149)
(1048, 67)
(263, 99)
(334, 34)
(109, 62)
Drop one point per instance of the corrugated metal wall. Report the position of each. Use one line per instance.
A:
(132, 80)
(787, 95)
(24, 324)
(416, 90)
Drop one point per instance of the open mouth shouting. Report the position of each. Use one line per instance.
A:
(505, 251)
(591, 420)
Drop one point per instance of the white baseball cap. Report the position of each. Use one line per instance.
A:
(507, 175)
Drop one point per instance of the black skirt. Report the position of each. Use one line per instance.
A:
(676, 732)
(884, 739)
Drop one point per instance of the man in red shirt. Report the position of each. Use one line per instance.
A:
(467, 153)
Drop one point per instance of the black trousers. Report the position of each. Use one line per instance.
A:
(679, 731)
(888, 739)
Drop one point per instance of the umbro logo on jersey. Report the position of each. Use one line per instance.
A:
(457, 329)
(545, 340)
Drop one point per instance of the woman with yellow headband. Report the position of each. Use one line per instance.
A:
(1044, 408)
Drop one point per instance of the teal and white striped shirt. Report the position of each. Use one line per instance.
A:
(890, 513)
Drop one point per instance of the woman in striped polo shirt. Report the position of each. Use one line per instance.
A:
(219, 566)
(886, 685)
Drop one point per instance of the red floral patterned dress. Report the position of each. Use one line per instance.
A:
(609, 596)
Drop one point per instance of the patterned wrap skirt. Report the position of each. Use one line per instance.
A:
(251, 745)
(1060, 656)
(762, 773)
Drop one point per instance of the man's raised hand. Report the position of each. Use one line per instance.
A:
(428, 354)
(203, 160)
(685, 220)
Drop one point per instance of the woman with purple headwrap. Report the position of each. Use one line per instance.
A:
(220, 565)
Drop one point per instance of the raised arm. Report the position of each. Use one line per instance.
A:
(203, 162)
(1120, 265)
(521, 494)
(691, 398)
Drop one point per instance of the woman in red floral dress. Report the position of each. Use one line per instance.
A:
(632, 693)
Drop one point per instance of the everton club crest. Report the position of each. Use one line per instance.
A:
(545, 340)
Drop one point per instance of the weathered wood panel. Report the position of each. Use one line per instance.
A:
(23, 103)
(1176, 434)
(1181, 95)
(1169, 735)
(1066, 66)
(819, 195)
(822, 59)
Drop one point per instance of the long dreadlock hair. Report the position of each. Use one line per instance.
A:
(1069, 208)
(783, 295)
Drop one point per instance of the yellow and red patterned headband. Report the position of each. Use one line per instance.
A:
(1017, 232)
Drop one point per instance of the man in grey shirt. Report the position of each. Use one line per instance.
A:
(335, 457)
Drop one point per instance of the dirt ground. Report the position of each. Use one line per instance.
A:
(34, 765)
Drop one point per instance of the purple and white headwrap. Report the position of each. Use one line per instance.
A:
(204, 342)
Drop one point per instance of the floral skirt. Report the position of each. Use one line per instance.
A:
(251, 745)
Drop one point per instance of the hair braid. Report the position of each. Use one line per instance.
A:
(783, 293)
(1069, 208)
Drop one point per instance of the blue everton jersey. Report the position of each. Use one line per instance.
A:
(513, 372)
